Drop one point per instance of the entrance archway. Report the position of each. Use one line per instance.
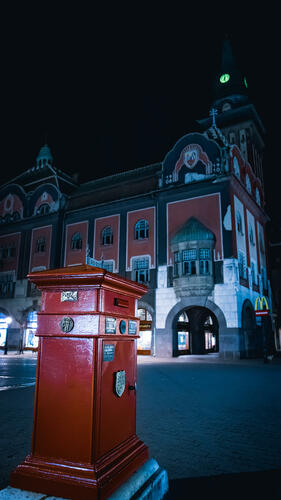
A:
(195, 331)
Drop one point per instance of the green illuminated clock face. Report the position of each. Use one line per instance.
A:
(224, 78)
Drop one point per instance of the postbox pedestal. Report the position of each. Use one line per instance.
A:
(84, 441)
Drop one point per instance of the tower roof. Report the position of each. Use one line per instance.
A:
(45, 153)
(193, 230)
(229, 84)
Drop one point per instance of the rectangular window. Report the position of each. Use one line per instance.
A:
(189, 254)
(141, 270)
(253, 273)
(108, 265)
(204, 264)
(204, 254)
(189, 264)
(204, 267)
(189, 267)
(176, 263)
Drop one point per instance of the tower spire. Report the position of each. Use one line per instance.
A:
(229, 86)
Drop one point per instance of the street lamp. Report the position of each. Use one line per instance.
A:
(8, 322)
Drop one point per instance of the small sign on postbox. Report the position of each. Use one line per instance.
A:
(261, 306)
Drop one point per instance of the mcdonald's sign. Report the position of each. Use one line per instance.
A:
(261, 306)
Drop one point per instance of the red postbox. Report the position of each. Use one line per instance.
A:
(84, 442)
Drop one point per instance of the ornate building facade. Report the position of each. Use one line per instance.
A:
(191, 227)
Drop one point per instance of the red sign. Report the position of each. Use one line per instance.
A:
(262, 313)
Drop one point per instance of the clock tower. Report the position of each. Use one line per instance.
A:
(236, 116)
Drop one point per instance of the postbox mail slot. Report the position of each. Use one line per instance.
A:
(121, 302)
(69, 324)
(113, 302)
(69, 300)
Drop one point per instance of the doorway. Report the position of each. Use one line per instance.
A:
(196, 332)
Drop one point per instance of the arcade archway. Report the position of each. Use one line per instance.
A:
(195, 331)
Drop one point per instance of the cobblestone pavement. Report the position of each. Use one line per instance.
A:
(204, 420)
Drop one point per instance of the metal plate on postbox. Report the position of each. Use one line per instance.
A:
(133, 326)
(119, 382)
(69, 296)
(108, 352)
(110, 325)
(66, 324)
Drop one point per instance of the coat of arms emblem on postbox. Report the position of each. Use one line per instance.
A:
(119, 383)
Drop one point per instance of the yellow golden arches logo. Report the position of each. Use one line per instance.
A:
(260, 301)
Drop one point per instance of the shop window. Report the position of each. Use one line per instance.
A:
(40, 245)
(141, 270)
(76, 241)
(144, 315)
(189, 261)
(4, 323)
(107, 236)
(31, 326)
(141, 230)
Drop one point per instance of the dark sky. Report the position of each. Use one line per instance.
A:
(114, 89)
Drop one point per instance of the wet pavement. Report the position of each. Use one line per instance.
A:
(213, 425)
(17, 370)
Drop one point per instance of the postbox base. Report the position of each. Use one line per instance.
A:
(77, 481)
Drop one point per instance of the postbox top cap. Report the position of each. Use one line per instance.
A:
(85, 275)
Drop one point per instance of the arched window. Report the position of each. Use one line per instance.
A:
(40, 245)
(44, 209)
(76, 241)
(141, 230)
(107, 236)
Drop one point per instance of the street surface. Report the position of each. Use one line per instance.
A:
(213, 425)
(17, 370)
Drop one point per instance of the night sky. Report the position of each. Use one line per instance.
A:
(115, 88)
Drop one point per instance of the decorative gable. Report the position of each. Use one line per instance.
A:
(192, 158)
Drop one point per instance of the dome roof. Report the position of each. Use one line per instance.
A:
(45, 153)
(191, 231)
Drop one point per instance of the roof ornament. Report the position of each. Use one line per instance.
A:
(213, 113)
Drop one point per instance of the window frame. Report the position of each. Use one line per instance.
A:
(141, 230)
